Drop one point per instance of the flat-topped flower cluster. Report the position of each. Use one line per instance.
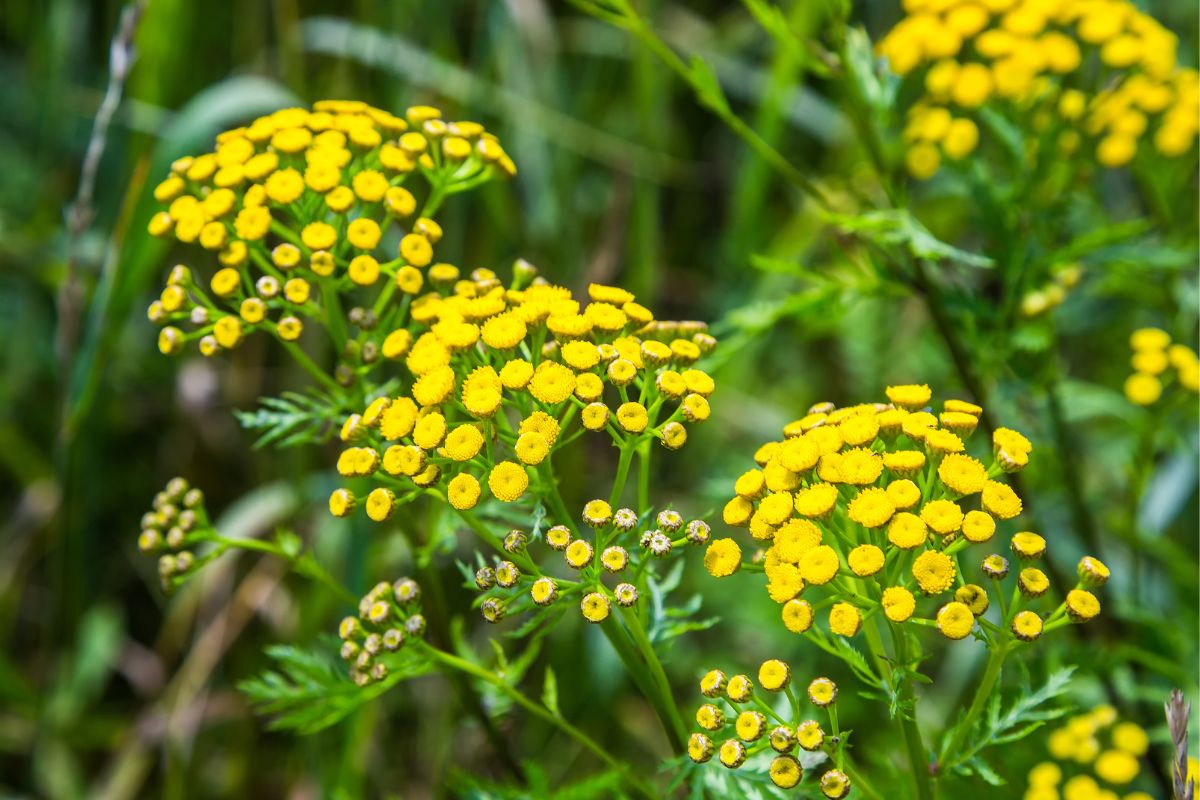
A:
(1063, 71)
(872, 510)
(497, 378)
(308, 210)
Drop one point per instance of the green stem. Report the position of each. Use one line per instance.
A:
(309, 569)
(663, 700)
(643, 451)
(858, 779)
(551, 718)
(618, 487)
(983, 693)
(300, 357)
(918, 756)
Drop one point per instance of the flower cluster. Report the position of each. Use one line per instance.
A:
(869, 510)
(1100, 69)
(1153, 358)
(301, 207)
(623, 545)
(497, 378)
(1091, 752)
(750, 729)
(1051, 294)
(388, 616)
(172, 529)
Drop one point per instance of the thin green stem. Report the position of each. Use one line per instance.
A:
(914, 745)
(668, 710)
(541, 712)
(643, 452)
(618, 487)
(983, 693)
(308, 568)
(308, 365)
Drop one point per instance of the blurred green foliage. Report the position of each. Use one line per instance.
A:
(107, 689)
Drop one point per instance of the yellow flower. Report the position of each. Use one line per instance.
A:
(1027, 626)
(795, 538)
(978, 527)
(463, 443)
(934, 572)
(871, 508)
(962, 474)
(898, 603)
(1000, 500)
(318, 236)
(865, 560)
(722, 558)
(774, 675)
(552, 383)
(463, 491)
(822, 692)
(785, 771)
(1131, 738)
(700, 748)
(819, 565)
(1142, 389)
(955, 620)
(595, 416)
(809, 736)
(508, 481)
(844, 619)
(904, 494)
(942, 516)
(732, 754)
(750, 725)
(632, 417)
(816, 501)
(912, 396)
(797, 615)
(594, 607)
(1082, 605)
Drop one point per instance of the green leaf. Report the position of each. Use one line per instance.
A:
(1003, 726)
(292, 419)
(897, 227)
(707, 87)
(309, 690)
(550, 692)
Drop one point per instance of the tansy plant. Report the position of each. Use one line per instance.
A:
(452, 388)
(320, 219)
(876, 523)
(790, 732)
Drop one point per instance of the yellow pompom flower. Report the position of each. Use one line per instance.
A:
(722, 558)
(934, 572)
(774, 675)
(463, 491)
(508, 481)
(844, 619)
(1027, 626)
(955, 620)
(898, 603)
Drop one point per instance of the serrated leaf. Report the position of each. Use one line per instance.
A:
(899, 228)
(292, 419)
(308, 691)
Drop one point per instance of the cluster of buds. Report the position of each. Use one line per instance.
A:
(622, 545)
(388, 616)
(753, 727)
(175, 524)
